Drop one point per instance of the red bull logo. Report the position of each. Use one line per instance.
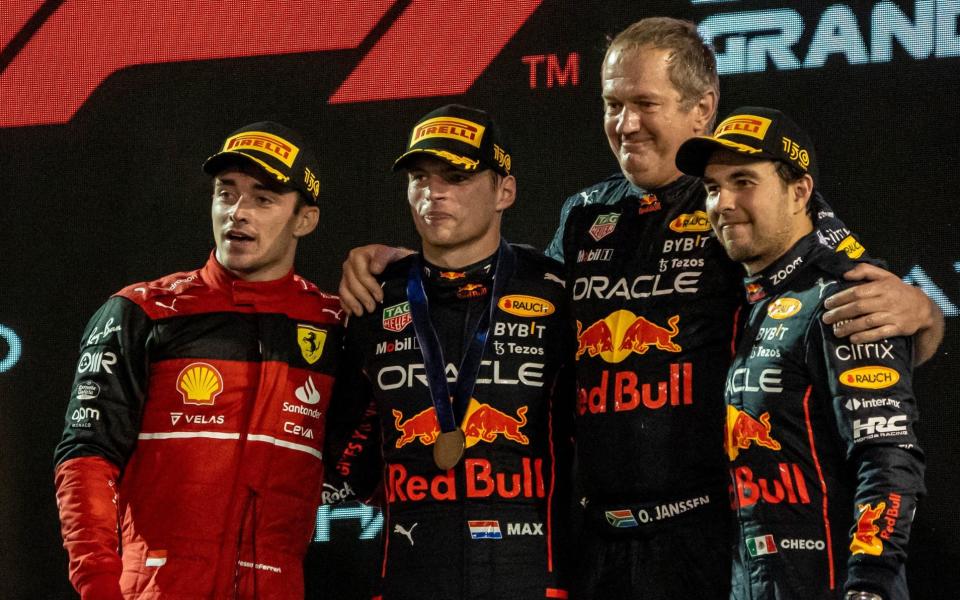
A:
(865, 540)
(743, 430)
(452, 275)
(482, 480)
(648, 203)
(621, 333)
(629, 394)
(789, 487)
(471, 290)
(755, 292)
(485, 423)
(482, 423)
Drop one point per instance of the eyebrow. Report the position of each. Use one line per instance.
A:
(229, 181)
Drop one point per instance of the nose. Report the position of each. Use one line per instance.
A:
(434, 188)
(629, 121)
(237, 213)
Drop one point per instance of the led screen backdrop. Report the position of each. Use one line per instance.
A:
(107, 110)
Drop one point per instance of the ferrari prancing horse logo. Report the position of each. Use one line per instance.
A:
(311, 340)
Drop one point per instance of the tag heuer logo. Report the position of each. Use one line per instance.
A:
(397, 317)
(604, 226)
(311, 340)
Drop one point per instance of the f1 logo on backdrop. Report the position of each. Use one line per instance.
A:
(52, 61)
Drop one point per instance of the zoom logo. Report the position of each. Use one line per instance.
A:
(11, 355)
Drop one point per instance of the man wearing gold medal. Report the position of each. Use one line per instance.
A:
(466, 372)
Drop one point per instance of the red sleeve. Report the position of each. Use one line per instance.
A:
(87, 501)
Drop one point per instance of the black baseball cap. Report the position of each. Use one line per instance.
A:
(464, 137)
(280, 151)
(753, 131)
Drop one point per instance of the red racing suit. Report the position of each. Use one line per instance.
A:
(195, 427)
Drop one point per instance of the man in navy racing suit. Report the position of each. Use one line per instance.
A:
(490, 521)
(825, 468)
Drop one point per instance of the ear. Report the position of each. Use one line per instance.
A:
(306, 221)
(704, 112)
(507, 193)
(802, 191)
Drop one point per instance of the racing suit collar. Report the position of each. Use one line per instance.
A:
(471, 281)
(781, 271)
(260, 294)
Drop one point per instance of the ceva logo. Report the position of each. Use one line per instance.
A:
(55, 54)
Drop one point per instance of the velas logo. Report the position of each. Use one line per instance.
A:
(622, 333)
(397, 317)
(311, 341)
(851, 247)
(451, 128)
(749, 125)
(743, 430)
(526, 306)
(870, 378)
(696, 222)
(603, 226)
(784, 308)
(59, 58)
(482, 423)
(266, 143)
(865, 539)
(199, 383)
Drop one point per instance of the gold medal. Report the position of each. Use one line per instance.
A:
(448, 449)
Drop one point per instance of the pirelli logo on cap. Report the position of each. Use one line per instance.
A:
(275, 146)
(750, 125)
(448, 127)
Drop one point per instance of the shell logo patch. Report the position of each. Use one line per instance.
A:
(200, 383)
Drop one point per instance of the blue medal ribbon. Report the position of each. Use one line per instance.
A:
(451, 408)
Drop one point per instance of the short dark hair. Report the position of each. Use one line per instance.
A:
(788, 174)
(692, 66)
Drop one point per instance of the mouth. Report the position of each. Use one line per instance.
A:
(434, 216)
(236, 237)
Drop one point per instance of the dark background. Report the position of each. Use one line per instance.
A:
(114, 193)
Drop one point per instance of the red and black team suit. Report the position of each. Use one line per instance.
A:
(824, 463)
(195, 426)
(493, 526)
(654, 297)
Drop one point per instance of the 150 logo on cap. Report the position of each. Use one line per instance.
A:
(448, 127)
(275, 146)
(750, 125)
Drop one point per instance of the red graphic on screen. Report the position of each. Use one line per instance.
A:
(82, 43)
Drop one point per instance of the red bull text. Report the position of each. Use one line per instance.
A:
(629, 394)
(481, 480)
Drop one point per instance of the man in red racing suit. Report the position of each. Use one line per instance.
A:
(195, 424)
